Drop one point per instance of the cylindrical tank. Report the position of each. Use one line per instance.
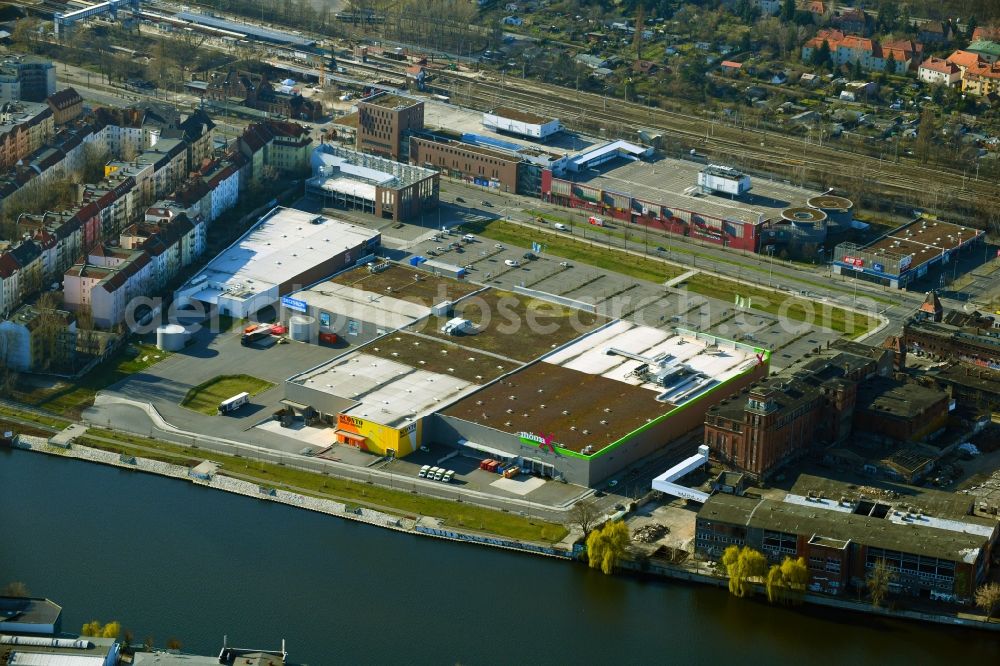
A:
(808, 224)
(839, 210)
(171, 337)
(302, 328)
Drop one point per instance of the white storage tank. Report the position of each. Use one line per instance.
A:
(303, 328)
(171, 337)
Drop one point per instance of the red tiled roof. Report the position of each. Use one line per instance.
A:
(939, 65)
(8, 265)
(986, 32)
(732, 64)
(989, 70)
(965, 59)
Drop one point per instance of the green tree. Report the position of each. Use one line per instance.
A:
(926, 131)
(987, 598)
(743, 565)
(970, 26)
(856, 72)
(112, 629)
(890, 63)
(795, 573)
(606, 546)
(775, 584)
(878, 582)
(92, 628)
(821, 56)
(787, 11)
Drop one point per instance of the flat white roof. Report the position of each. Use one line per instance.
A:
(388, 392)
(385, 311)
(41, 659)
(613, 147)
(284, 244)
(354, 188)
(717, 362)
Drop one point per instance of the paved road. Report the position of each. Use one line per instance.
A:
(133, 419)
(743, 267)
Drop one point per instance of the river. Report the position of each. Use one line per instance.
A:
(169, 559)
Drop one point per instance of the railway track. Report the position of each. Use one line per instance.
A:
(764, 150)
(589, 110)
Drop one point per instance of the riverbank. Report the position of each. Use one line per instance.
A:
(204, 475)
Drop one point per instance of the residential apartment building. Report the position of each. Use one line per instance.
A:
(986, 49)
(66, 105)
(282, 145)
(25, 127)
(938, 71)
(38, 340)
(869, 53)
(106, 281)
(26, 78)
(257, 92)
(384, 123)
(171, 244)
(982, 79)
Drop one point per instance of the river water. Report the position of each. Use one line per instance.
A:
(172, 560)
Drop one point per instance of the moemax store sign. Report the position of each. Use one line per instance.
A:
(543, 442)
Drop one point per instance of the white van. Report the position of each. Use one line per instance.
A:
(424, 470)
(560, 226)
(448, 476)
(439, 474)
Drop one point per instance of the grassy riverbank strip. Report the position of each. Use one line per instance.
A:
(457, 515)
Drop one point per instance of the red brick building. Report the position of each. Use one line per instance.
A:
(384, 124)
(808, 406)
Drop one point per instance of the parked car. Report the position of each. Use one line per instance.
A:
(513, 263)
(486, 203)
(459, 200)
(529, 256)
(468, 238)
(560, 226)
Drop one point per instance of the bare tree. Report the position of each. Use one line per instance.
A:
(584, 515)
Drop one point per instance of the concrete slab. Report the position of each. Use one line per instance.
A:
(519, 486)
(320, 438)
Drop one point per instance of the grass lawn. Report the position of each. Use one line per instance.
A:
(205, 397)
(71, 398)
(796, 309)
(681, 249)
(454, 514)
(576, 250)
(49, 421)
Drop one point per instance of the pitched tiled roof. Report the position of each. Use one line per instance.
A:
(964, 59)
(65, 98)
(939, 65)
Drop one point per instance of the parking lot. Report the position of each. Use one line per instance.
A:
(619, 296)
(468, 476)
(165, 384)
